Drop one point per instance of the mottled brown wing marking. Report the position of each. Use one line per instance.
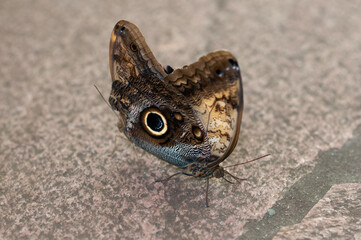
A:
(129, 54)
(213, 86)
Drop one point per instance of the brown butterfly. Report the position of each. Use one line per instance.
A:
(189, 117)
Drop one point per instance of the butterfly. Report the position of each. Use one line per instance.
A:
(189, 117)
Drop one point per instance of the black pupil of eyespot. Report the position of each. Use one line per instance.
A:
(155, 122)
(219, 72)
(233, 63)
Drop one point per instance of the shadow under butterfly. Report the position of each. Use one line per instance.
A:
(189, 117)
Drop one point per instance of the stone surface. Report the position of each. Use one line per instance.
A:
(301, 67)
(336, 216)
(333, 166)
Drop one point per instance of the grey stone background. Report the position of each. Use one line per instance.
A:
(301, 67)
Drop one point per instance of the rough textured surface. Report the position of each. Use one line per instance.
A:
(336, 216)
(333, 166)
(301, 66)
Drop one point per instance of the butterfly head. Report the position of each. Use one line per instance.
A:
(218, 172)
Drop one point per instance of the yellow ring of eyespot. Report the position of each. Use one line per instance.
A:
(145, 115)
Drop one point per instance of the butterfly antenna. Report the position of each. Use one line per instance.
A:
(245, 162)
(106, 102)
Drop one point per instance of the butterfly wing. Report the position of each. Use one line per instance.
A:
(129, 55)
(213, 87)
(143, 100)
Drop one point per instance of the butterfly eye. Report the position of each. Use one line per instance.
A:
(133, 47)
(154, 122)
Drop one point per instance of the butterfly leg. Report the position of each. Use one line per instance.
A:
(207, 188)
(168, 178)
(239, 180)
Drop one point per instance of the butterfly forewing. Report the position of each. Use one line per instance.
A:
(129, 54)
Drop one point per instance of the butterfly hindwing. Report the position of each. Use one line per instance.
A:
(213, 87)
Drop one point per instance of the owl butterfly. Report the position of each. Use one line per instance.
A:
(189, 117)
